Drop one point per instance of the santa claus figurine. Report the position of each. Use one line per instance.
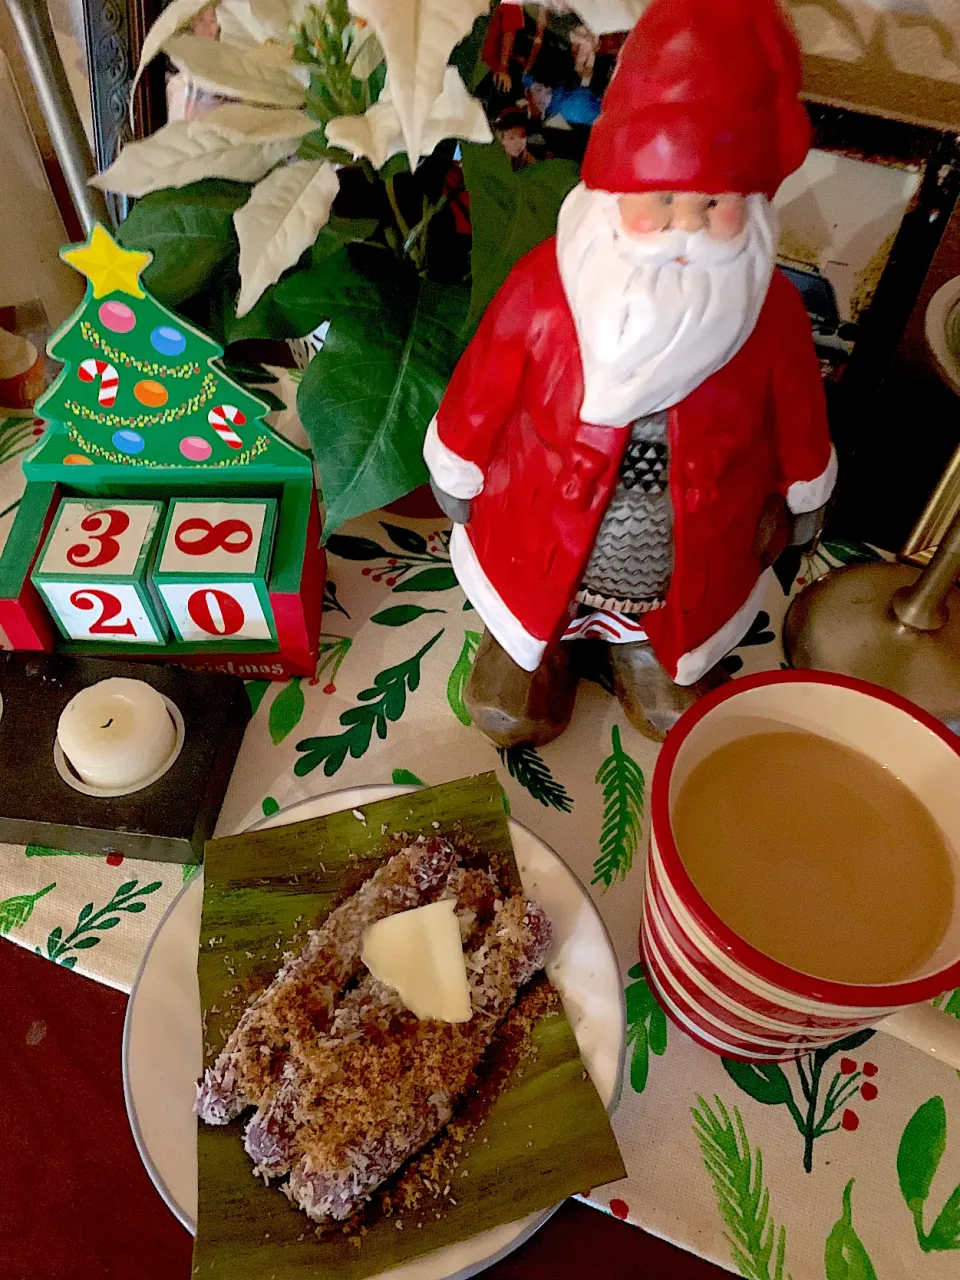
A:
(638, 427)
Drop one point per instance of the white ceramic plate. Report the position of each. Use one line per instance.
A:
(162, 1043)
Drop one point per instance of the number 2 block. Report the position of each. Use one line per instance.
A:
(93, 571)
(212, 569)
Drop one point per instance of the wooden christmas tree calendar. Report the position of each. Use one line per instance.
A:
(161, 515)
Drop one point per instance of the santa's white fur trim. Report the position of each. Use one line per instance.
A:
(450, 472)
(699, 661)
(808, 495)
(504, 626)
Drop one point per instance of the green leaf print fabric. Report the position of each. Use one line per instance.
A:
(814, 1170)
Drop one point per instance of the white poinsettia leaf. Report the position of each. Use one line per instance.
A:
(239, 122)
(265, 74)
(238, 26)
(377, 133)
(417, 37)
(279, 221)
(365, 52)
(176, 15)
(455, 114)
(178, 154)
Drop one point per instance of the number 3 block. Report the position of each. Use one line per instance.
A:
(93, 571)
(211, 573)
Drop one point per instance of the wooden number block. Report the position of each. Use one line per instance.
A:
(94, 571)
(212, 569)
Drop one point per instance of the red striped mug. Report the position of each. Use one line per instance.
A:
(722, 991)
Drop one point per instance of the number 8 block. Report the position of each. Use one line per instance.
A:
(94, 571)
(212, 569)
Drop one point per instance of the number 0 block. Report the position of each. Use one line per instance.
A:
(94, 571)
(212, 569)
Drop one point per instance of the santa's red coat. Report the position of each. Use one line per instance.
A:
(509, 435)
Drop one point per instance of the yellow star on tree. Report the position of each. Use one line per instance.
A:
(109, 268)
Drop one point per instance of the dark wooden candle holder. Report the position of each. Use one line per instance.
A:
(170, 819)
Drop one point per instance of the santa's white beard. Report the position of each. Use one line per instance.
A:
(650, 329)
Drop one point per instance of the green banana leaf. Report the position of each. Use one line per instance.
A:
(545, 1137)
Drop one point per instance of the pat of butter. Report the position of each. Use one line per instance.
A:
(420, 955)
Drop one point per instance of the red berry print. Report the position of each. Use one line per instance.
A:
(114, 859)
(392, 561)
(376, 577)
(868, 1091)
(391, 582)
(850, 1120)
(366, 572)
(801, 582)
(870, 1068)
(619, 1208)
(329, 688)
(847, 1066)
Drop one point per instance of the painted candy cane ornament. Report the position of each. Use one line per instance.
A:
(220, 417)
(90, 370)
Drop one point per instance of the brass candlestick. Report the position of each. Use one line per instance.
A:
(893, 624)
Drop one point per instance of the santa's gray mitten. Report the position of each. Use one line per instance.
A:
(458, 509)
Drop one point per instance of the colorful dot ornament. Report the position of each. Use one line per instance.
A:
(168, 340)
(129, 442)
(195, 448)
(152, 394)
(89, 334)
(117, 317)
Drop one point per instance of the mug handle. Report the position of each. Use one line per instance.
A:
(926, 1028)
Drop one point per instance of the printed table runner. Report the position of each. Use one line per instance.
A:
(844, 1166)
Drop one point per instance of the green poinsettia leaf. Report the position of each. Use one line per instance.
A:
(511, 212)
(286, 711)
(82, 944)
(189, 231)
(368, 395)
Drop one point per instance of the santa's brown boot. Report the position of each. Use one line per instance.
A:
(652, 702)
(514, 707)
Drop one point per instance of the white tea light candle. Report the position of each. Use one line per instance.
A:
(116, 734)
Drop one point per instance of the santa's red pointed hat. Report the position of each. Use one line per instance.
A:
(704, 99)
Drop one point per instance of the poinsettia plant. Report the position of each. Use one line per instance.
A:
(342, 174)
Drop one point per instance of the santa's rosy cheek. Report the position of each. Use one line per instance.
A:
(727, 218)
(643, 214)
